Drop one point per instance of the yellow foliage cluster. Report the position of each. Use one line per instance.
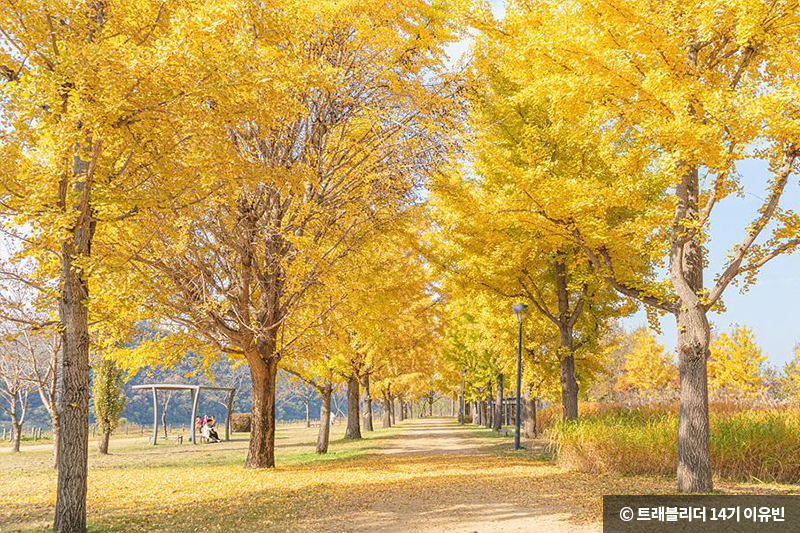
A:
(736, 366)
(648, 370)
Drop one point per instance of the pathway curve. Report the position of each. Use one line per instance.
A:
(454, 480)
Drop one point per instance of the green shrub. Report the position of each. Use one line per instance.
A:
(762, 444)
(241, 422)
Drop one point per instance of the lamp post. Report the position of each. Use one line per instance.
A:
(519, 311)
(462, 406)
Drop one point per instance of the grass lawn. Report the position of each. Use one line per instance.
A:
(172, 487)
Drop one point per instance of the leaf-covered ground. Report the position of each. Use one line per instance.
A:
(421, 476)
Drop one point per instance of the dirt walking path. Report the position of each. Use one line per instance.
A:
(454, 480)
(434, 436)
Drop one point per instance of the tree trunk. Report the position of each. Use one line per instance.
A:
(353, 430)
(529, 416)
(56, 439)
(308, 411)
(16, 435)
(488, 422)
(263, 373)
(324, 420)
(566, 323)
(103, 443)
(386, 417)
(367, 405)
(694, 454)
(391, 409)
(475, 413)
(686, 273)
(401, 403)
(569, 385)
(498, 410)
(70, 513)
(49, 398)
(163, 417)
(569, 388)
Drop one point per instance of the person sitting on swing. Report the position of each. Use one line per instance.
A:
(210, 431)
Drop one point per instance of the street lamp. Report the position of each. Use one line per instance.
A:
(519, 311)
(462, 407)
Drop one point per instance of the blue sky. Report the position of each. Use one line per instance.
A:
(771, 307)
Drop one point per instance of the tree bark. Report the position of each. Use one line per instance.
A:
(48, 392)
(386, 417)
(308, 411)
(391, 409)
(70, 513)
(164, 410)
(488, 421)
(569, 387)
(498, 409)
(566, 323)
(56, 421)
(367, 401)
(324, 419)
(353, 430)
(264, 374)
(16, 435)
(103, 442)
(694, 335)
(694, 453)
(529, 416)
(402, 408)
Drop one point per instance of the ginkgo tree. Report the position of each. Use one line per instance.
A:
(313, 359)
(365, 101)
(484, 243)
(479, 344)
(483, 333)
(391, 318)
(661, 103)
(368, 317)
(736, 365)
(482, 213)
(648, 370)
(96, 101)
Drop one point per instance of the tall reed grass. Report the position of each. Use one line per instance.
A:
(746, 443)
